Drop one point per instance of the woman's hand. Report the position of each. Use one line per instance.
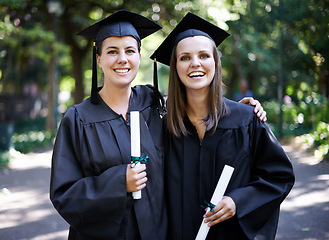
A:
(224, 210)
(258, 107)
(136, 177)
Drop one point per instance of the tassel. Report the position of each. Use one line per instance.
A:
(158, 98)
(155, 75)
(93, 96)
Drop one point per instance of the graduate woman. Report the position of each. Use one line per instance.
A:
(208, 131)
(92, 179)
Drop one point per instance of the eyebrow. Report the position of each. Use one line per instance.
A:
(201, 51)
(118, 48)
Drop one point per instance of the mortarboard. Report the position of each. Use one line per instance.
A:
(119, 24)
(190, 25)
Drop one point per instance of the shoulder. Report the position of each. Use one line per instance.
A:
(143, 89)
(142, 97)
(87, 112)
(239, 115)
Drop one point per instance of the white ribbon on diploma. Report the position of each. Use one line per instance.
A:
(216, 198)
(135, 143)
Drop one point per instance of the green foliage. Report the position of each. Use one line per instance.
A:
(308, 120)
(32, 140)
(318, 140)
(4, 158)
(12, 3)
(23, 125)
(30, 135)
(298, 118)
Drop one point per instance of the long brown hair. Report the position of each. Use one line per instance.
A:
(177, 100)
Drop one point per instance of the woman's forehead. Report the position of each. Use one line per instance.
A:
(120, 41)
(195, 43)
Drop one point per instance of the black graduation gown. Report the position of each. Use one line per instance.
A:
(88, 177)
(262, 177)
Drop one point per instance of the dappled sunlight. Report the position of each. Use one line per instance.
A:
(25, 208)
(307, 205)
(297, 203)
(52, 236)
(32, 207)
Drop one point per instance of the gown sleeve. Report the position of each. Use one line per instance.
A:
(258, 203)
(89, 204)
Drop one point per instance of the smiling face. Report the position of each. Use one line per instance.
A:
(119, 60)
(195, 62)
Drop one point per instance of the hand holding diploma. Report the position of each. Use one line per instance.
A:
(136, 175)
(216, 199)
(136, 178)
(224, 210)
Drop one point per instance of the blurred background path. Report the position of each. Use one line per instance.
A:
(27, 214)
(305, 212)
(25, 209)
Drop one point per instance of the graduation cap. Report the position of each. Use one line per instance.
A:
(191, 25)
(119, 24)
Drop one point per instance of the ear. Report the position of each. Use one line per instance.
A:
(99, 63)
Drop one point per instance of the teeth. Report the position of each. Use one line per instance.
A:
(121, 70)
(196, 74)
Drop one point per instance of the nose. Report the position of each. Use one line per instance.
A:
(122, 58)
(195, 62)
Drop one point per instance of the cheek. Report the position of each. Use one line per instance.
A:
(136, 61)
(181, 70)
(212, 68)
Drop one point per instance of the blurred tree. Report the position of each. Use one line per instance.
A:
(252, 51)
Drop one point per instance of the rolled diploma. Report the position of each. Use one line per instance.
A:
(135, 143)
(216, 198)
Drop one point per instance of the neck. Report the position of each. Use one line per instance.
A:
(197, 110)
(197, 104)
(116, 98)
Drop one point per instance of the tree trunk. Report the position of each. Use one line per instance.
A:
(324, 83)
(237, 74)
(51, 121)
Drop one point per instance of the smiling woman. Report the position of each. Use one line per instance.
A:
(205, 132)
(92, 180)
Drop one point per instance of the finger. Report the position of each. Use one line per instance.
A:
(139, 168)
(247, 100)
(253, 102)
(142, 174)
(141, 181)
(264, 118)
(140, 187)
(258, 110)
(211, 216)
(220, 218)
(209, 213)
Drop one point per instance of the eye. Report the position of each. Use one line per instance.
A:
(112, 52)
(184, 58)
(131, 51)
(204, 55)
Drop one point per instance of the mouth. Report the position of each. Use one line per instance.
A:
(122, 70)
(196, 74)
